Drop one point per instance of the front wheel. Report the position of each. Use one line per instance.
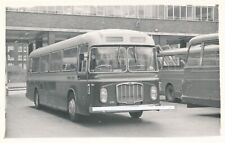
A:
(72, 108)
(136, 114)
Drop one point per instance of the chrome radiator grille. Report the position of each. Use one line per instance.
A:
(129, 92)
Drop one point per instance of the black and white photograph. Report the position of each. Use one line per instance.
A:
(128, 70)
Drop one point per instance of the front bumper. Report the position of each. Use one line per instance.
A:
(129, 108)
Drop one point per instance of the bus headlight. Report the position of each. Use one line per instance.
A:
(153, 92)
(103, 95)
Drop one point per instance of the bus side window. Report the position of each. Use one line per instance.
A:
(44, 64)
(35, 64)
(194, 56)
(210, 58)
(56, 61)
(69, 60)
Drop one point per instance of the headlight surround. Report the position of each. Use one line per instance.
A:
(103, 95)
(153, 92)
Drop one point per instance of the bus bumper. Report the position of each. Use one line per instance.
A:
(129, 108)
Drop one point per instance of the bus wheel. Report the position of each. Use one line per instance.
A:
(36, 100)
(170, 94)
(71, 108)
(136, 114)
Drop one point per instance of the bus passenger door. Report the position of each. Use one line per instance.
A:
(82, 76)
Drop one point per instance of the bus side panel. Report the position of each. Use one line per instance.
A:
(67, 83)
(173, 77)
(202, 84)
(30, 90)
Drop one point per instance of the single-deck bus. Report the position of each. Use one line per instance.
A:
(171, 72)
(201, 86)
(102, 71)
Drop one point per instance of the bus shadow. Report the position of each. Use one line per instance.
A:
(97, 119)
(51, 111)
(213, 115)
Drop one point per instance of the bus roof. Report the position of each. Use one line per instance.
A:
(99, 37)
(204, 38)
(171, 52)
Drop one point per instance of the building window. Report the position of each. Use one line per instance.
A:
(80, 10)
(197, 13)
(189, 13)
(100, 11)
(216, 13)
(10, 64)
(10, 48)
(10, 58)
(20, 49)
(117, 11)
(141, 12)
(20, 65)
(204, 13)
(148, 12)
(24, 66)
(93, 10)
(170, 12)
(161, 11)
(108, 11)
(59, 9)
(183, 12)
(51, 9)
(67, 9)
(43, 9)
(20, 57)
(132, 11)
(24, 58)
(125, 11)
(25, 49)
(176, 12)
(210, 13)
(154, 11)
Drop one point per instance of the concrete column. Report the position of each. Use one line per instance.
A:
(39, 43)
(30, 48)
(51, 38)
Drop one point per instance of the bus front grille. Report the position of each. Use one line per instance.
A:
(129, 92)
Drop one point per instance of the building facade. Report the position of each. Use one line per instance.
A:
(28, 28)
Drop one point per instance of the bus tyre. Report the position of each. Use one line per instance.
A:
(36, 100)
(170, 94)
(136, 114)
(72, 107)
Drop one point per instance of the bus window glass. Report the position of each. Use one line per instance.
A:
(69, 59)
(194, 56)
(35, 64)
(44, 63)
(141, 59)
(108, 59)
(210, 58)
(173, 62)
(55, 61)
